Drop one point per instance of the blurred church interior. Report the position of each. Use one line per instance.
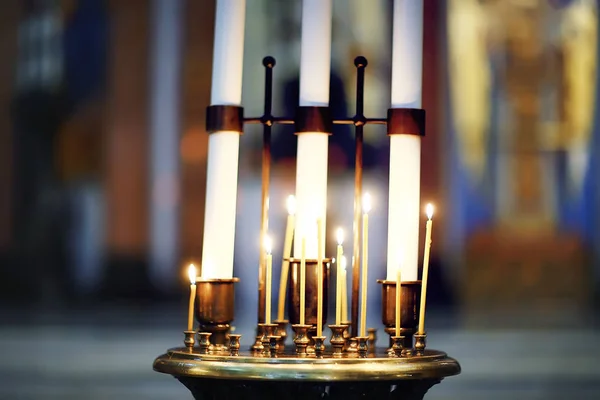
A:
(103, 167)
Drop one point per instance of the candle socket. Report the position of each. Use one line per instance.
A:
(267, 331)
(281, 331)
(258, 346)
(189, 341)
(363, 346)
(319, 346)
(273, 345)
(301, 339)
(352, 345)
(234, 344)
(337, 339)
(420, 343)
(216, 309)
(204, 342)
(397, 349)
(410, 301)
(372, 334)
(311, 291)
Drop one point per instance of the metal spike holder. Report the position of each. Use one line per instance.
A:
(309, 369)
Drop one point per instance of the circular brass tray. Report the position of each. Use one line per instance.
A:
(378, 366)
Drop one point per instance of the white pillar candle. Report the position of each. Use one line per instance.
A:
(223, 147)
(405, 150)
(338, 287)
(311, 164)
(192, 275)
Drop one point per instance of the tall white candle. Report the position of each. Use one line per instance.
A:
(365, 264)
(405, 150)
(338, 287)
(223, 147)
(426, 250)
(320, 252)
(192, 275)
(344, 291)
(269, 264)
(311, 164)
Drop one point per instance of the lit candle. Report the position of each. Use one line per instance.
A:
(365, 263)
(405, 149)
(429, 211)
(311, 164)
(338, 287)
(287, 248)
(269, 264)
(344, 291)
(398, 299)
(223, 146)
(303, 281)
(320, 253)
(192, 275)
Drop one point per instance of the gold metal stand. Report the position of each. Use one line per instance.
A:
(287, 376)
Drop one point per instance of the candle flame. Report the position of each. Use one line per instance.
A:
(343, 263)
(366, 203)
(268, 244)
(291, 204)
(192, 273)
(339, 234)
(429, 210)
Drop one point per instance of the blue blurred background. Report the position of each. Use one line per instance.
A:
(103, 168)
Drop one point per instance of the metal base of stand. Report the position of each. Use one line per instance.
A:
(212, 376)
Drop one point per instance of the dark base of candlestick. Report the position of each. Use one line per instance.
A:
(204, 389)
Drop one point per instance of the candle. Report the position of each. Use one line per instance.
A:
(223, 146)
(311, 164)
(429, 211)
(192, 273)
(269, 273)
(344, 291)
(320, 253)
(338, 287)
(287, 248)
(365, 263)
(405, 149)
(303, 281)
(398, 299)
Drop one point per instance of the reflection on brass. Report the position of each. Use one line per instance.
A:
(420, 343)
(234, 344)
(372, 334)
(319, 346)
(273, 345)
(311, 291)
(352, 345)
(363, 346)
(410, 302)
(281, 331)
(216, 308)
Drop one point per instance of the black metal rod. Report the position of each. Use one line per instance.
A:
(359, 121)
(266, 120)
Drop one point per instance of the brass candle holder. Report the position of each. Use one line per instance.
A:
(420, 343)
(301, 339)
(372, 334)
(189, 339)
(216, 309)
(337, 339)
(273, 345)
(204, 344)
(268, 330)
(234, 344)
(363, 346)
(311, 291)
(410, 300)
(397, 349)
(319, 345)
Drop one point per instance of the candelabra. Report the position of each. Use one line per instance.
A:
(213, 365)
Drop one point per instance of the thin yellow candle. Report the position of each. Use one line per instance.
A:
(303, 282)
(338, 287)
(429, 211)
(365, 263)
(344, 291)
(287, 249)
(320, 255)
(192, 275)
(269, 274)
(398, 299)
